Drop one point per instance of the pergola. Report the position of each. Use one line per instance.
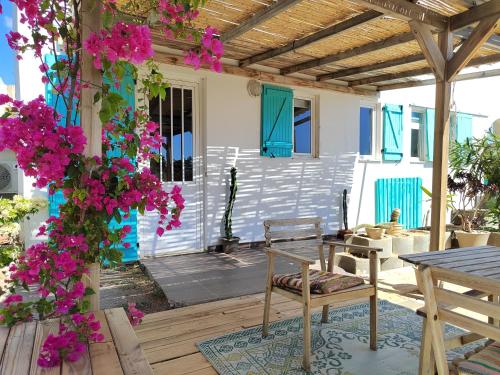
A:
(360, 47)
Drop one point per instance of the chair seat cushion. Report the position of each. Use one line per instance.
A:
(321, 282)
(485, 362)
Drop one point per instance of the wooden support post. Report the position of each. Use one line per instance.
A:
(89, 116)
(441, 145)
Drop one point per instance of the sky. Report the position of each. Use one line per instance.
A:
(7, 57)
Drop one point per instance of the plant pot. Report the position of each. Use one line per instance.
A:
(474, 238)
(375, 233)
(230, 244)
(93, 280)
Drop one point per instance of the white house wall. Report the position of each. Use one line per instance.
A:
(280, 187)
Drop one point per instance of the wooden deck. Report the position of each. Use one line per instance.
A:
(119, 353)
(169, 338)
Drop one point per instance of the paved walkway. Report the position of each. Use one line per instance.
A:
(206, 277)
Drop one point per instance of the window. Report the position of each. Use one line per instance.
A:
(417, 126)
(302, 126)
(175, 116)
(366, 130)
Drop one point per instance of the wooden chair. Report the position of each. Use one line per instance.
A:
(440, 304)
(305, 234)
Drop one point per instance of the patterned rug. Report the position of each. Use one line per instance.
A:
(339, 347)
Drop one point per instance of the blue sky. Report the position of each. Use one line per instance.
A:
(8, 59)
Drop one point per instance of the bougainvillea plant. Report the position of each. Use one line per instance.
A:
(50, 148)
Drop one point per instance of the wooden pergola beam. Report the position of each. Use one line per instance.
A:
(372, 67)
(475, 14)
(479, 36)
(427, 82)
(322, 34)
(176, 60)
(409, 11)
(258, 18)
(429, 47)
(416, 72)
(370, 47)
(390, 77)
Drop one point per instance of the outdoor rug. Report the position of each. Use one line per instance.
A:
(339, 347)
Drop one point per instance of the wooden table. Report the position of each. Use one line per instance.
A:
(118, 354)
(482, 262)
(475, 267)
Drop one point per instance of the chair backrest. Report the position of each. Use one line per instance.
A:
(441, 303)
(289, 233)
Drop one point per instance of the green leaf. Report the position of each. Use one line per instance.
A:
(89, 292)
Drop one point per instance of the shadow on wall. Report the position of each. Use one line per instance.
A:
(267, 188)
(275, 188)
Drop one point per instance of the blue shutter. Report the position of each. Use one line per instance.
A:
(430, 114)
(393, 133)
(463, 129)
(56, 199)
(127, 91)
(402, 193)
(277, 121)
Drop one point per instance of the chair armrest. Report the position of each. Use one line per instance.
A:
(364, 249)
(296, 258)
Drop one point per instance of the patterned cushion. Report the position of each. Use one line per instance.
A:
(320, 282)
(485, 362)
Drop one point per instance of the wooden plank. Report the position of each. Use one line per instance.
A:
(4, 335)
(372, 67)
(467, 280)
(428, 256)
(466, 267)
(315, 37)
(80, 367)
(430, 49)
(127, 345)
(374, 264)
(183, 365)
(259, 17)
(390, 76)
(43, 329)
(409, 11)
(466, 52)
(433, 319)
(470, 303)
(19, 348)
(103, 356)
(104, 359)
(162, 57)
(370, 47)
(101, 317)
(474, 14)
(470, 324)
(427, 82)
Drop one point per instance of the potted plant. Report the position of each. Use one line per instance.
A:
(228, 241)
(474, 168)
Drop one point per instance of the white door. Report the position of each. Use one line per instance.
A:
(181, 164)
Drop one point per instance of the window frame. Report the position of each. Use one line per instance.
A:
(193, 87)
(422, 128)
(376, 128)
(312, 99)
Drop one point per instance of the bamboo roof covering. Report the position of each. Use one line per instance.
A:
(381, 45)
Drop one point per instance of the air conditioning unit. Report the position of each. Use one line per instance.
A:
(8, 178)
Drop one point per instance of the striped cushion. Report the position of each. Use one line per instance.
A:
(320, 282)
(485, 362)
